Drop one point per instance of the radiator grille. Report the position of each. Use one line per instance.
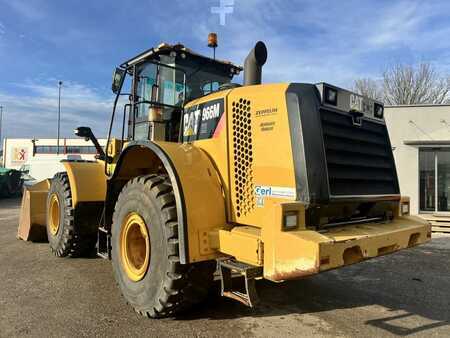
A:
(243, 157)
(359, 158)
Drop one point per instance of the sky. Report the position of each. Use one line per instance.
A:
(81, 42)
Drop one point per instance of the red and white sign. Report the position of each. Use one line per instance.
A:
(19, 155)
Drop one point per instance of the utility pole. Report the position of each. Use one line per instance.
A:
(59, 114)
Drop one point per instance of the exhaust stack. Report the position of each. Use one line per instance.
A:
(253, 64)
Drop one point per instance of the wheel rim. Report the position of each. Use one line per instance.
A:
(54, 213)
(134, 247)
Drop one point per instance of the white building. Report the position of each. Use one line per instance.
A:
(420, 137)
(39, 156)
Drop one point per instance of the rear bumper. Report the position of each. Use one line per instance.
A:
(303, 253)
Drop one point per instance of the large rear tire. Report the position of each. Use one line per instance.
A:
(64, 234)
(145, 251)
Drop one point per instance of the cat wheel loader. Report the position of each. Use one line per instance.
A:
(212, 178)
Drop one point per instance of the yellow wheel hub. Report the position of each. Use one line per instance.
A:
(134, 247)
(54, 213)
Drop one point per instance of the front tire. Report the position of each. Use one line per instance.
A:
(64, 234)
(145, 251)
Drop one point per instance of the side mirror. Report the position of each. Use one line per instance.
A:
(118, 77)
(85, 132)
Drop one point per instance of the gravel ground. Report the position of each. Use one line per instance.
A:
(404, 294)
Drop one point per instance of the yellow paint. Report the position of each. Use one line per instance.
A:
(306, 252)
(217, 148)
(216, 151)
(261, 142)
(271, 160)
(203, 196)
(114, 149)
(200, 185)
(36, 199)
(33, 211)
(134, 247)
(87, 181)
(244, 243)
(206, 167)
(54, 214)
(218, 177)
(255, 149)
(139, 161)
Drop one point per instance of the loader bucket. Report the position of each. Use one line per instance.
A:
(32, 221)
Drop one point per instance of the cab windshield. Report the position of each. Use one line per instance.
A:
(202, 77)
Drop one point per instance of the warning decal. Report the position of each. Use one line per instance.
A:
(200, 121)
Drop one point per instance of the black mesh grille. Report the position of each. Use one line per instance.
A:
(359, 158)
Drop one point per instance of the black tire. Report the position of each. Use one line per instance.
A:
(167, 287)
(69, 240)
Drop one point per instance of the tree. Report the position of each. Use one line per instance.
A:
(406, 84)
(368, 87)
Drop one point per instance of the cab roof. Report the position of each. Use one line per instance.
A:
(165, 49)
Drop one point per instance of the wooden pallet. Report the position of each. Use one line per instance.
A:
(439, 223)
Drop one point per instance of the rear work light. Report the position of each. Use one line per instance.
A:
(290, 220)
(404, 206)
(378, 111)
(330, 96)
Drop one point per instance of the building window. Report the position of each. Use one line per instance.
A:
(66, 150)
(427, 180)
(434, 166)
(443, 180)
(48, 149)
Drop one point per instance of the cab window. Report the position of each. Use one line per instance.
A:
(158, 85)
(210, 87)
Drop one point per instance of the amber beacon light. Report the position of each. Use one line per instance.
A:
(212, 42)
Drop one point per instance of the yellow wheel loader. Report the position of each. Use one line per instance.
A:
(212, 178)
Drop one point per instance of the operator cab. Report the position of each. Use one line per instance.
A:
(163, 80)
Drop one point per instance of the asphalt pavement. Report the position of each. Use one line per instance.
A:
(403, 294)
